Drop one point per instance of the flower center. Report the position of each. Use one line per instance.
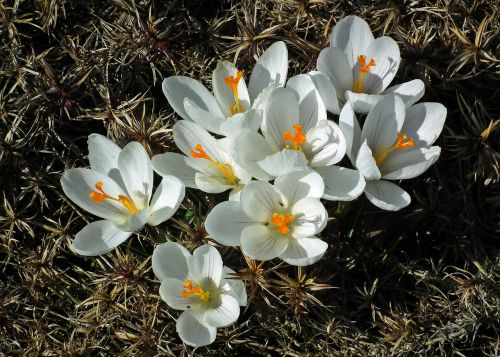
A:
(233, 82)
(225, 169)
(402, 143)
(100, 196)
(364, 68)
(281, 220)
(189, 291)
(297, 139)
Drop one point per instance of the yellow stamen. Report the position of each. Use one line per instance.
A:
(281, 222)
(197, 291)
(225, 169)
(363, 70)
(297, 140)
(402, 143)
(100, 196)
(233, 82)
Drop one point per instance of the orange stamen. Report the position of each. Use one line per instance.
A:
(297, 140)
(233, 82)
(100, 196)
(197, 291)
(402, 143)
(225, 169)
(363, 70)
(281, 222)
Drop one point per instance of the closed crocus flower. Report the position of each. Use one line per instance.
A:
(206, 164)
(118, 187)
(296, 135)
(201, 287)
(361, 68)
(271, 221)
(232, 108)
(395, 144)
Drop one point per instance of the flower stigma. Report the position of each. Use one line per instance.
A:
(281, 221)
(402, 143)
(296, 140)
(233, 82)
(225, 169)
(363, 70)
(100, 196)
(188, 291)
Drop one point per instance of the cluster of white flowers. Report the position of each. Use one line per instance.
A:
(273, 130)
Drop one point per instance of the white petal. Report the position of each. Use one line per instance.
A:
(386, 195)
(361, 102)
(206, 262)
(202, 117)
(385, 51)
(383, 123)
(78, 183)
(410, 164)
(193, 332)
(352, 132)
(326, 90)
(366, 164)
(98, 238)
(166, 200)
(236, 287)
(259, 200)
(280, 114)
(135, 221)
(261, 243)
(329, 151)
(171, 163)
(309, 217)
(333, 62)
(103, 156)
(283, 162)
(137, 173)
(248, 149)
(424, 122)
(300, 184)
(223, 93)
(341, 184)
(311, 107)
(353, 35)
(169, 261)
(238, 123)
(188, 134)
(304, 251)
(271, 69)
(226, 221)
(211, 184)
(177, 88)
(411, 92)
(171, 292)
(225, 313)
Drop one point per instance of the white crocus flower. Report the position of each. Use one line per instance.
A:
(296, 134)
(232, 108)
(395, 144)
(206, 164)
(361, 68)
(201, 286)
(274, 221)
(118, 187)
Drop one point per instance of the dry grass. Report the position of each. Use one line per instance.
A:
(423, 281)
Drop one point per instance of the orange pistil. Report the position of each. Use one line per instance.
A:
(297, 140)
(197, 291)
(100, 196)
(225, 169)
(281, 222)
(402, 143)
(233, 82)
(363, 70)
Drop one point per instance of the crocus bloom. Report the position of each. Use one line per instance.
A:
(201, 287)
(395, 144)
(233, 107)
(118, 187)
(206, 163)
(295, 135)
(361, 68)
(274, 221)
